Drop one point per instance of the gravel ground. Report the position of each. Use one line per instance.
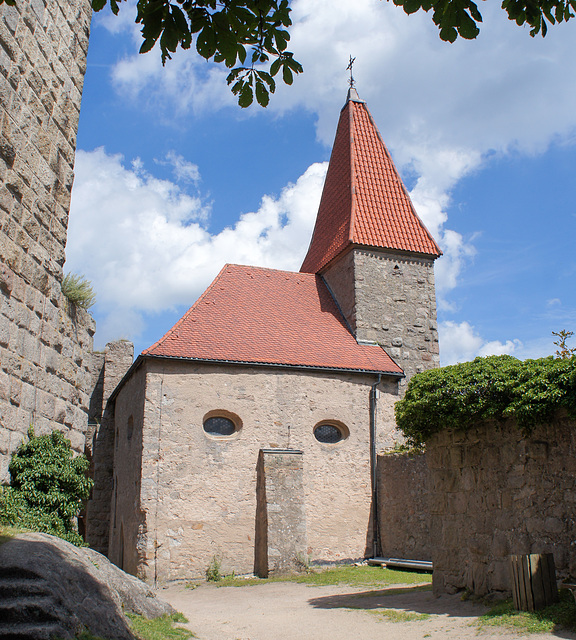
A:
(290, 611)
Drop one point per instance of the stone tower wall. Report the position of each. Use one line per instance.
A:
(390, 298)
(46, 368)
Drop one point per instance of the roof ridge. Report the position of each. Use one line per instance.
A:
(402, 185)
(352, 171)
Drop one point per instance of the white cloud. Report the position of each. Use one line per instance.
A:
(143, 242)
(182, 170)
(460, 342)
(504, 91)
(443, 110)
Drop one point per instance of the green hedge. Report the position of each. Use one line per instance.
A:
(48, 487)
(495, 387)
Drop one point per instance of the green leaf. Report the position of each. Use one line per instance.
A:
(448, 34)
(293, 64)
(262, 95)
(199, 19)
(97, 5)
(474, 12)
(269, 80)
(282, 38)
(237, 86)
(468, 28)
(147, 45)
(246, 96)
(206, 42)
(411, 6)
(234, 74)
(275, 67)
(287, 75)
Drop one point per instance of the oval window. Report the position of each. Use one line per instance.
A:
(329, 433)
(221, 424)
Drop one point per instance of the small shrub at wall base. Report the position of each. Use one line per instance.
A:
(213, 570)
(48, 487)
(492, 388)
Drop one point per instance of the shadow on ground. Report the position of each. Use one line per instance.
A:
(415, 599)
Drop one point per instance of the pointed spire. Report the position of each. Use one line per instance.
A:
(353, 95)
(364, 201)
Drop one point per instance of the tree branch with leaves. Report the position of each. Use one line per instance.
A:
(249, 37)
(461, 17)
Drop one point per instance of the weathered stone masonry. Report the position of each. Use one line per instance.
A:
(494, 492)
(185, 497)
(403, 506)
(46, 368)
(389, 298)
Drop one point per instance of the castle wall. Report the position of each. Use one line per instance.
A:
(494, 493)
(198, 493)
(126, 521)
(393, 304)
(46, 371)
(104, 443)
(404, 514)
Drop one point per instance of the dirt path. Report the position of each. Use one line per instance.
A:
(289, 611)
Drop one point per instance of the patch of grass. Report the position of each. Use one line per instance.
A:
(561, 615)
(397, 615)
(345, 574)
(78, 290)
(86, 635)
(7, 532)
(162, 628)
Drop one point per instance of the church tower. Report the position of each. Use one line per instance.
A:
(371, 248)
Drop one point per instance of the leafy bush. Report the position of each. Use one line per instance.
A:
(78, 290)
(48, 487)
(497, 387)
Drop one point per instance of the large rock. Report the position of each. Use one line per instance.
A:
(49, 587)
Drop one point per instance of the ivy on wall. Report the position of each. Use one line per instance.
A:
(492, 388)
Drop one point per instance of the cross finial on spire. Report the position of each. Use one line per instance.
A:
(349, 68)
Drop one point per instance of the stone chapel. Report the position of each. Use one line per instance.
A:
(249, 432)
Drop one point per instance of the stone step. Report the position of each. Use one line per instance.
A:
(20, 587)
(33, 631)
(17, 573)
(28, 609)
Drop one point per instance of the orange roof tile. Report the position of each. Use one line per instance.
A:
(364, 201)
(264, 316)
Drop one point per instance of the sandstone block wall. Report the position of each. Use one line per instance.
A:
(198, 493)
(404, 516)
(104, 443)
(280, 536)
(494, 493)
(390, 299)
(46, 371)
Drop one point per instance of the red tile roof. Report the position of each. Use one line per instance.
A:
(264, 316)
(364, 201)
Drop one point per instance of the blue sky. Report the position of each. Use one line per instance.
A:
(173, 180)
